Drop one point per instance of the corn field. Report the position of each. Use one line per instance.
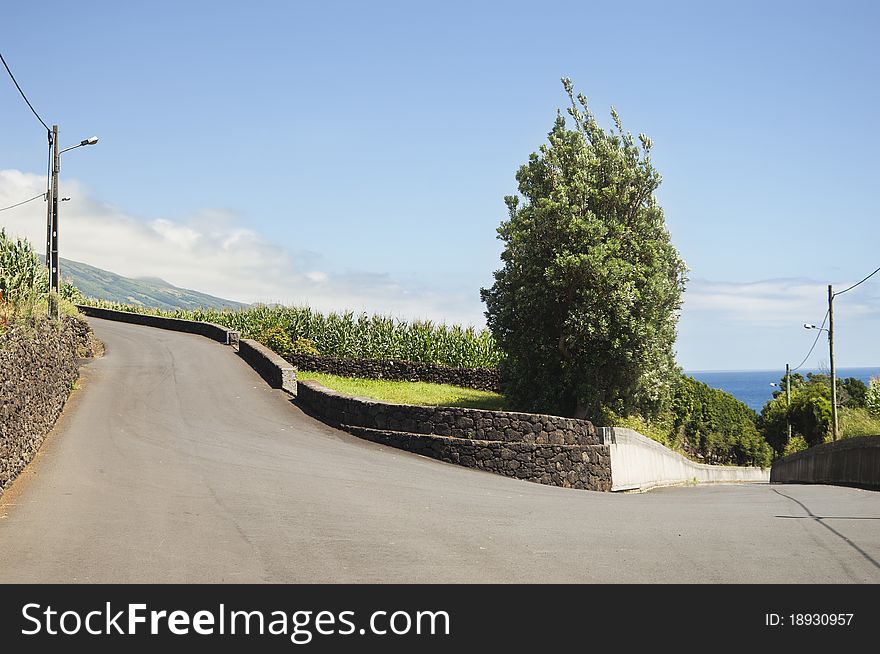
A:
(23, 279)
(350, 335)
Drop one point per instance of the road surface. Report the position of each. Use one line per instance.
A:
(174, 462)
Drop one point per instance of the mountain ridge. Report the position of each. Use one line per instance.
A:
(152, 292)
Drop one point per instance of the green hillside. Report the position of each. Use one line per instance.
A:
(148, 292)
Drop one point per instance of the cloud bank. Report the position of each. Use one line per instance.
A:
(775, 302)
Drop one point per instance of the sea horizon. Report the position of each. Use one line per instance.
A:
(752, 387)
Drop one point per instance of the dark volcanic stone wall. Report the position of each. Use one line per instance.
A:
(539, 448)
(38, 366)
(218, 333)
(484, 379)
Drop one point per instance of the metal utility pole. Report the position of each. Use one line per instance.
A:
(831, 357)
(788, 399)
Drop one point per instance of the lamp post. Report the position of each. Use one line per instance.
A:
(52, 259)
(830, 331)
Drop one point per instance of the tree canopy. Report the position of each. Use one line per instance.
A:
(586, 303)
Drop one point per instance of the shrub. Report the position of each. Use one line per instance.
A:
(773, 423)
(715, 426)
(276, 338)
(796, 444)
(304, 346)
(810, 413)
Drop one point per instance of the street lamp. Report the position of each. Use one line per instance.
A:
(89, 141)
(52, 259)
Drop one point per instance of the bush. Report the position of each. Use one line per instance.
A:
(773, 423)
(796, 444)
(810, 412)
(714, 426)
(304, 346)
(276, 338)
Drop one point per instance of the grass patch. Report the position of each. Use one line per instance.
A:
(858, 422)
(402, 392)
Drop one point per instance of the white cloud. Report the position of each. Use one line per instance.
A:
(213, 253)
(773, 302)
(755, 325)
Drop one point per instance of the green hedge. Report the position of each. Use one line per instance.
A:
(715, 427)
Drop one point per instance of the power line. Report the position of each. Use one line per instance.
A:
(856, 284)
(12, 206)
(818, 334)
(14, 81)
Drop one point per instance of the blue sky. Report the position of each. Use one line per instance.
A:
(355, 155)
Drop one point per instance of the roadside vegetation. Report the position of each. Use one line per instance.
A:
(303, 330)
(809, 412)
(397, 392)
(24, 285)
(705, 424)
(586, 302)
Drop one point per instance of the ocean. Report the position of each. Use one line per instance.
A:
(753, 388)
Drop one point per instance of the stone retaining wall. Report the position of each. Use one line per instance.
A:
(459, 422)
(484, 379)
(38, 366)
(277, 372)
(540, 448)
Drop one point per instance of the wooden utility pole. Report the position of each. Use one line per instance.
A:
(831, 357)
(788, 399)
(52, 229)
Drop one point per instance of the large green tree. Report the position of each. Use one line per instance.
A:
(587, 301)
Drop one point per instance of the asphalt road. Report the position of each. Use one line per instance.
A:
(174, 462)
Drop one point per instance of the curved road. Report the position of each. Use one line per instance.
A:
(174, 462)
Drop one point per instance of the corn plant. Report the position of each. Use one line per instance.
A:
(350, 335)
(23, 279)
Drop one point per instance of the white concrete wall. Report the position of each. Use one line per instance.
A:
(639, 463)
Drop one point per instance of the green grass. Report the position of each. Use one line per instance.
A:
(858, 422)
(397, 392)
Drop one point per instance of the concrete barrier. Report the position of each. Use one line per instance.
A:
(278, 372)
(849, 462)
(210, 330)
(639, 463)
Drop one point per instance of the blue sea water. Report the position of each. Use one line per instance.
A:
(753, 386)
